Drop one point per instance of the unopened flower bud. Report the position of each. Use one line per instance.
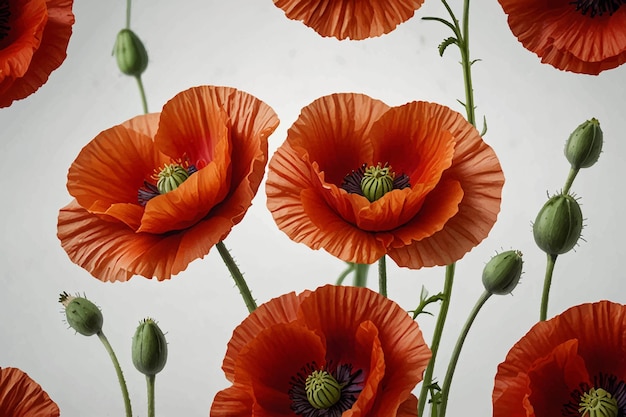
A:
(82, 315)
(558, 225)
(503, 272)
(584, 145)
(131, 55)
(149, 349)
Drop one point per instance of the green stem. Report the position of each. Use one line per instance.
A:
(345, 273)
(150, 384)
(547, 282)
(128, 3)
(434, 347)
(118, 370)
(142, 93)
(570, 179)
(382, 276)
(467, 66)
(237, 276)
(360, 275)
(447, 382)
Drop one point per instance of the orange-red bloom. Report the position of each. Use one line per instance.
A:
(33, 39)
(583, 36)
(20, 396)
(440, 183)
(354, 19)
(351, 342)
(159, 190)
(567, 366)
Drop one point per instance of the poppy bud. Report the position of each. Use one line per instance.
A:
(149, 348)
(131, 55)
(558, 225)
(503, 272)
(82, 315)
(584, 145)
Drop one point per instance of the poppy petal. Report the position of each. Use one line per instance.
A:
(234, 401)
(270, 361)
(48, 54)
(20, 396)
(408, 408)
(279, 310)
(348, 18)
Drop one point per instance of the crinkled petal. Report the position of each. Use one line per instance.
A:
(20, 396)
(354, 19)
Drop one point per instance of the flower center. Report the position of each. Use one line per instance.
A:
(5, 13)
(322, 390)
(374, 181)
(167, 179)
(607, 398)
(597, 403)
(319, 392)
(598, 7)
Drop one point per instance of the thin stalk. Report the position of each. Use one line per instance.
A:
(547, 282)
(570, 179)
(150, 384)
(237, 276)
(382, 276)
(128, 4)
(360, 275)
(434, 347)
(345, 273)
(142, 93)
(118, 371)
(467, 66)
(447, 382)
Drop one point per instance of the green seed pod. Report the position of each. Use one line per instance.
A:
(584, 145)
(503, 272)
(558, 225)
(82, 315)
(131, 55)
(149, 349)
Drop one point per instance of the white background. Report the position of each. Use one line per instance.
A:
(531, 109)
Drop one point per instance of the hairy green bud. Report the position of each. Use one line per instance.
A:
(503, 272)
(131, 55)
(584, 145)
(149, 348)
(558, 225)
(82, 315)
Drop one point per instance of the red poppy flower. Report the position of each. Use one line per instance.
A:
(362, 179)
(33, 39)
(159, 190)
(583, 36)
(354, 19)
(572, 365)
(323, 353)
(20, 396)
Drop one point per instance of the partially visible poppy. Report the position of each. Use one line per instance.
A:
(159, 190)
(354, 19)
(20, 396)
(323, 353)
(361, 179)
(572, 365)
(34, 35)
(583, 36)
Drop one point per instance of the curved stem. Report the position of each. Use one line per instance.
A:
(570, 179)
(547, 282)
(345, 273)
(118, 371)
(382, 276)
(360, 275)
(142, 93)
(434, 347)
(447, 382)
(150, 384)
(237, 276)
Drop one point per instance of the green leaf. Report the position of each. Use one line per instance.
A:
(447, 42)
